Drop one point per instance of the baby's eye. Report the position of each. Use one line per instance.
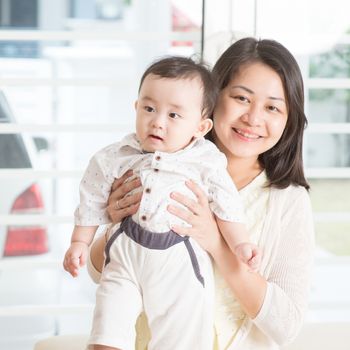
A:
(149, 109)
(174, 115)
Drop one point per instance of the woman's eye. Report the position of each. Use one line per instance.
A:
(273, 108)
(149, 109)
(241, 98)
(174, 115)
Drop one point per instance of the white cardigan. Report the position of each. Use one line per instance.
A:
(287, 241)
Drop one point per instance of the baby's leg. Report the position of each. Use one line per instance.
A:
(118, 300)
(178, 307)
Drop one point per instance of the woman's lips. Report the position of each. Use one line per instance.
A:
(246, 134)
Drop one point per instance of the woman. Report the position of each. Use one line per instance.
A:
(258, 124)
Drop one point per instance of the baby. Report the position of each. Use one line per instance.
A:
(147, 265)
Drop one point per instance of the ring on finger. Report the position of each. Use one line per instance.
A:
(117, 205)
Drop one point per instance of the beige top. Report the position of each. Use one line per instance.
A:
(228, 313)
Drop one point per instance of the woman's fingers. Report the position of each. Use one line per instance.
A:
(181, 213)
(129, 200)
(182, 231)
(123, 189)
(189, 203)
(199, 193)
(118, 215)
(121, 180)
(125, 206)
(120, 204)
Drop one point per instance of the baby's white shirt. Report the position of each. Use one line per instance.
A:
(160, 173)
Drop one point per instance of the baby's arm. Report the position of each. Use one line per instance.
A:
(78, 251)
(237, 238)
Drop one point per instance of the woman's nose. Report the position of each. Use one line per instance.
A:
(253, 117)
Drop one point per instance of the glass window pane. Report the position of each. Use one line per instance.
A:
(329, 106)
(13, 152)
(327, 150)
(331, 196)
(331, 64)
(24, 13)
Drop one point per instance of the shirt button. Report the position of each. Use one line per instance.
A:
(148, 190)
(144, 217)
(156, 170)
(158, 157)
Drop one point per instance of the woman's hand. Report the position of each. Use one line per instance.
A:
(119, 204)
(198, 214)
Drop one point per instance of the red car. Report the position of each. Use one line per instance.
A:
(21, 283)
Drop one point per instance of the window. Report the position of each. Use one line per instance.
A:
(13, 152)
(65, 93)
(18, 14)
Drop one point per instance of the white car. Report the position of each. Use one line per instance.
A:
(21, 283)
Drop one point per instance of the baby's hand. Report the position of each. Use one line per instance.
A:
(250, 254)
(75, 257)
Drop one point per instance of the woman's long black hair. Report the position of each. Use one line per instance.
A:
(283, 163)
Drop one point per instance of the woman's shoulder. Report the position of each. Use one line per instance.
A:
(291, 192)
(293, 197)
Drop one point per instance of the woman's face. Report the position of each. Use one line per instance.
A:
(251, 112)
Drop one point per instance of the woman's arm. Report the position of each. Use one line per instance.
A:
(248, 287)
(286, 300)
(96, 253)
(277, 304)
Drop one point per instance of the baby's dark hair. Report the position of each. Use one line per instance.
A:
(178, 67)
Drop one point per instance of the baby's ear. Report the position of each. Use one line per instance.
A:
(204, 127)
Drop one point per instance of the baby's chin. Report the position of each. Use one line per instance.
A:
(151, 146)
(150, 149)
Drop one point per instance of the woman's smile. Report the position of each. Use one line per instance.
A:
(246, 135)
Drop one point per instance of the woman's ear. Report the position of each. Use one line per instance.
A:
(135, 104)
(204, 127)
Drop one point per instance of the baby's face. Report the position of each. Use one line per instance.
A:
(168, 113)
